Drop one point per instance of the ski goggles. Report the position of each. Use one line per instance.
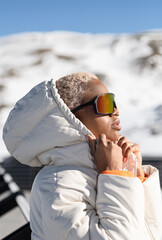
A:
(104, 104)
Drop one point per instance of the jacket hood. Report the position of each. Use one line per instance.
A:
(39, 123)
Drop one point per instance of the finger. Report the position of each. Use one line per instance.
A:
(102, 140)
(122, 140)
(124, 147)
(128, 152)
(92, 145)
(121, 136)
(135, 148)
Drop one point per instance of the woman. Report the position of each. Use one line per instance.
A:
(82, 192)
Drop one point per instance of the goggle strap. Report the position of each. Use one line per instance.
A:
(83, 105)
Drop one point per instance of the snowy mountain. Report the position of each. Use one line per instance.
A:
(129, 64)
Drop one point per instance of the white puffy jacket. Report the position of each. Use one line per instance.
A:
(69, 200)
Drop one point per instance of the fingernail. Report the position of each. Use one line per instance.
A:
(124, 159)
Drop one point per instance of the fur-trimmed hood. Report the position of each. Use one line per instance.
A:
(40, 124)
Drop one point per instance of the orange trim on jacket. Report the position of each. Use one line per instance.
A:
(124, 174)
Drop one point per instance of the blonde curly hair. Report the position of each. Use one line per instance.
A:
(72, 88)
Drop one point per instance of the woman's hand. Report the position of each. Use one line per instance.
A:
(129, 147)
(107, 155)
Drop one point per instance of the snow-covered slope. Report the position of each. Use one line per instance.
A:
(130, 65)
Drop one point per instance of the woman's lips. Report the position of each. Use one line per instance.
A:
(116, 125)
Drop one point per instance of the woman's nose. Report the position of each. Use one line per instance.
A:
(116, 112)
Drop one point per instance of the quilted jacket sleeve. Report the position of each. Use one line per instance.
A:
(71, 209)
(120, 207)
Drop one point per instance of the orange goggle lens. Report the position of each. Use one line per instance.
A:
(105, 103)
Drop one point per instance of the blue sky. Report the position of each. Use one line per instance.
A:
(96, 16)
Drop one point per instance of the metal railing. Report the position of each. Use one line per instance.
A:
(15, 198)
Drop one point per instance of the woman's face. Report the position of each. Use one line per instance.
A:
(96, 123)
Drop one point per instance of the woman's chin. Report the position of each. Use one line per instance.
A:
(113, 137)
